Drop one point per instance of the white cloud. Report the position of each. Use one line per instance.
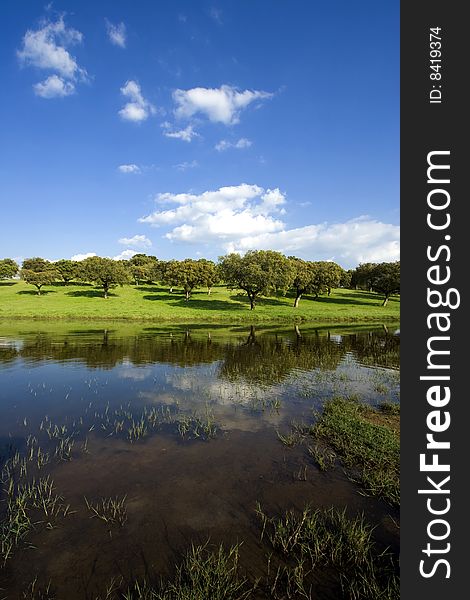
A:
(244, 217)
(46, 48)
(116, 33)
(54, 87)
(184, 166)
(138, 108)
(186, 135)
(132, 168)
(239, 145)
(224, 215)
(138, 241)
(80, 257)
(362, 239)
(220, 105)
(125, 255)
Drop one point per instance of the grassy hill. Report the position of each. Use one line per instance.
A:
(154, 303)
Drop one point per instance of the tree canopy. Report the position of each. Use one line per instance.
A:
(67, 269)
(8, 268)
(143, 267)
(187, 274)
(105, 272)
(258, 273)
(386, 279)
(38, 272)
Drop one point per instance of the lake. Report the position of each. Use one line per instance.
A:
(138, 441)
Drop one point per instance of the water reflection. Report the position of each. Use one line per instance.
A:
(244, 352)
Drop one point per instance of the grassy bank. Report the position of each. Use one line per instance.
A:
(154, 303)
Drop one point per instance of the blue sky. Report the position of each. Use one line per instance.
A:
(193, 128)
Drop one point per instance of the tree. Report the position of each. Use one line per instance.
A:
(187, 274)
(303, 280)
(363, 276)
(36, 264)
(210, 273)
(143, 267)
(67, 269)
(38, 272)
(386, 279)
(8, 268)
(329, 275)
(346, 277)
(38, 278)
(105, 272)
(258, 273)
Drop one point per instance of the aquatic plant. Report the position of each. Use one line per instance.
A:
(112, 511)
(327, 538)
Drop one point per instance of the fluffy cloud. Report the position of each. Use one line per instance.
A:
(80, 257)
(245, 217)
(138, 108)
(239, 145)
(132, 168)
(46, 48)
(138, 241)
(125, 255)
(219, 105)
(362, 239)
(186, 135)
(116, 34)
(53, 87)
(225, 214)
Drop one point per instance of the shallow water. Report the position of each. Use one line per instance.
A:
(209, 401)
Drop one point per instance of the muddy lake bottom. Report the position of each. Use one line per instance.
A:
(150, 441)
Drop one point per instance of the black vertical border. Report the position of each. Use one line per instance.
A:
(428, 127)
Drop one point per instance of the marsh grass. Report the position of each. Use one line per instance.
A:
(295, 436)
(197, 425)
(35, 591)
(323, 456)
(319, 539)
(112, 511)
(366, 443)
(28, 506)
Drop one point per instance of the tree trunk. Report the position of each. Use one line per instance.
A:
(188, 293)
(297, 300)
(384, 303)
(105, 288)
(209, 290)
(39, 290)
(329, 291)
(252, 301)
(171, 290)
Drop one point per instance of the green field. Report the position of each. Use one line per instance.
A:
(153, 303)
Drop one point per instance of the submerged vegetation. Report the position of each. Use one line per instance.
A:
(315, 539)
(364, 439)
(367, 445)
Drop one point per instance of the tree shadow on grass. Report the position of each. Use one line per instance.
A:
(220, 305)
(348, 299)
(150, 288)
(62, 284)
(35, 293)
(8, 283)
(89, 294)
(209, 303)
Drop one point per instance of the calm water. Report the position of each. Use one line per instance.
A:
(182, 422)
